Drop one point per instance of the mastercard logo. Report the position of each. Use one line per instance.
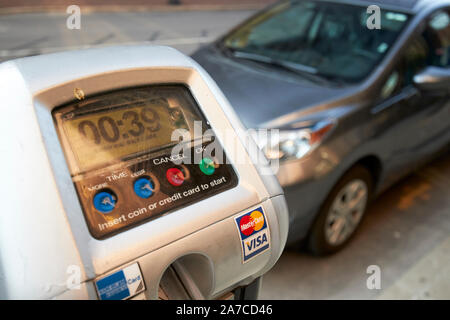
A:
(251, 223)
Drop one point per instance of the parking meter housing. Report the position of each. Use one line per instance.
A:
(48, 245)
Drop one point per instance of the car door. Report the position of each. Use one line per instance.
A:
(434, 123)
(413, 124)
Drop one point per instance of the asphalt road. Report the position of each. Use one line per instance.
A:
(29, 34)
(406, 232)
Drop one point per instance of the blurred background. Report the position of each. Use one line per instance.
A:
(30, 27)
(407, 229)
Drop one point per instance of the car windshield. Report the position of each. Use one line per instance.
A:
(332, 39)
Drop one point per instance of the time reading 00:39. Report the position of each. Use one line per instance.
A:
(107, 127)
(109, 135)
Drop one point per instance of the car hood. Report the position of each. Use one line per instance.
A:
(260, 94)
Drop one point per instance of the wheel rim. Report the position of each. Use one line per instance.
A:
(346, 212)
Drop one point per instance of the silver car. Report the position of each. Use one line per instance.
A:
(358, 107)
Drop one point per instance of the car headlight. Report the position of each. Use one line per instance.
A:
(294, 144)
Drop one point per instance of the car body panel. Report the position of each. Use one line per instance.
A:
(263, 94)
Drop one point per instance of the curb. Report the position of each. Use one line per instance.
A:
(125, 8)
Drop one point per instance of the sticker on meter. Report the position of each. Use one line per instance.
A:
(122, 284)
(254, 233)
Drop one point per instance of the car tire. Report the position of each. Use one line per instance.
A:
(341, 213)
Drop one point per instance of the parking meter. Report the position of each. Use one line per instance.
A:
(98, 202)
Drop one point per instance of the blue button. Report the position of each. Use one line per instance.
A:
(143, 188)
(104, 202)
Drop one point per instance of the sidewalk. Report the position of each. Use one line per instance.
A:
(428, 279)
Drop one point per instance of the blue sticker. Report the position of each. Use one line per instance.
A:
(121, 284)
(113, 287)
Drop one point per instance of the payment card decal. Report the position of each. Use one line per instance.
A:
(122, 284)
(254, 233)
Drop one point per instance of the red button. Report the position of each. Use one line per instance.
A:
(175, 177)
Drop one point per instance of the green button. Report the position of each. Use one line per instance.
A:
(207, 166)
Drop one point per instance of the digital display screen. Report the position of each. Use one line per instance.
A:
(106, 129)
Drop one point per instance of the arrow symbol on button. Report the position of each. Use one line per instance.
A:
(107, 201)
(147, 186)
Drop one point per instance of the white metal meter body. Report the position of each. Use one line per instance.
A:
(95, 204)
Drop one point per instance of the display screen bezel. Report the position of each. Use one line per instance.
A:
(190, 109)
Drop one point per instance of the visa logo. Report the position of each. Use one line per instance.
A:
(256, 244)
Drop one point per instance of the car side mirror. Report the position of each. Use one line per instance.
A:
(433, 79)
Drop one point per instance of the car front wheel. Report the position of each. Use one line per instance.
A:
(341, 212)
